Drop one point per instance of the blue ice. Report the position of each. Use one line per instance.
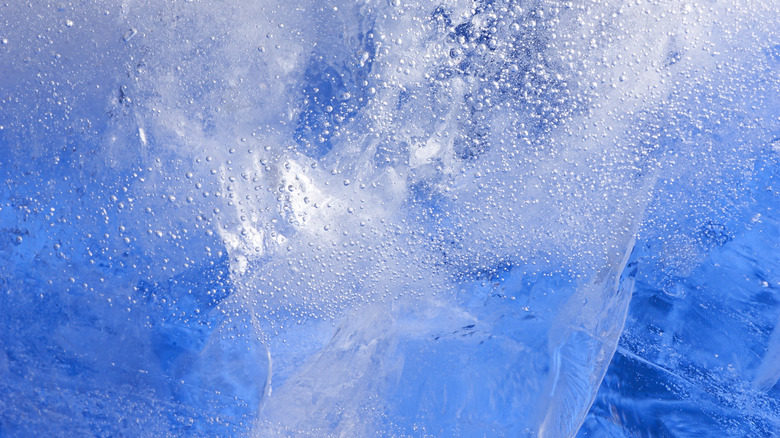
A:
(389, 218)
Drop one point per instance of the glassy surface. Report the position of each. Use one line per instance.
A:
(389, 218)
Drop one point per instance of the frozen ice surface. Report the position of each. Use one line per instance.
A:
(698, 356)
(389, 218)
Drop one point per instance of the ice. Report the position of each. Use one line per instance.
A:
(699, 352)
(384, 218)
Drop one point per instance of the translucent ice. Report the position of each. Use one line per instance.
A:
(375, 218)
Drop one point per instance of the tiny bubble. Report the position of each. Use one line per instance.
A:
(129, 34)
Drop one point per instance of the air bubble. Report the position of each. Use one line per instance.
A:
(129, 34)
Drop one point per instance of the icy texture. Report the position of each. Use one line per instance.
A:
(381, 218)
(699, 355)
